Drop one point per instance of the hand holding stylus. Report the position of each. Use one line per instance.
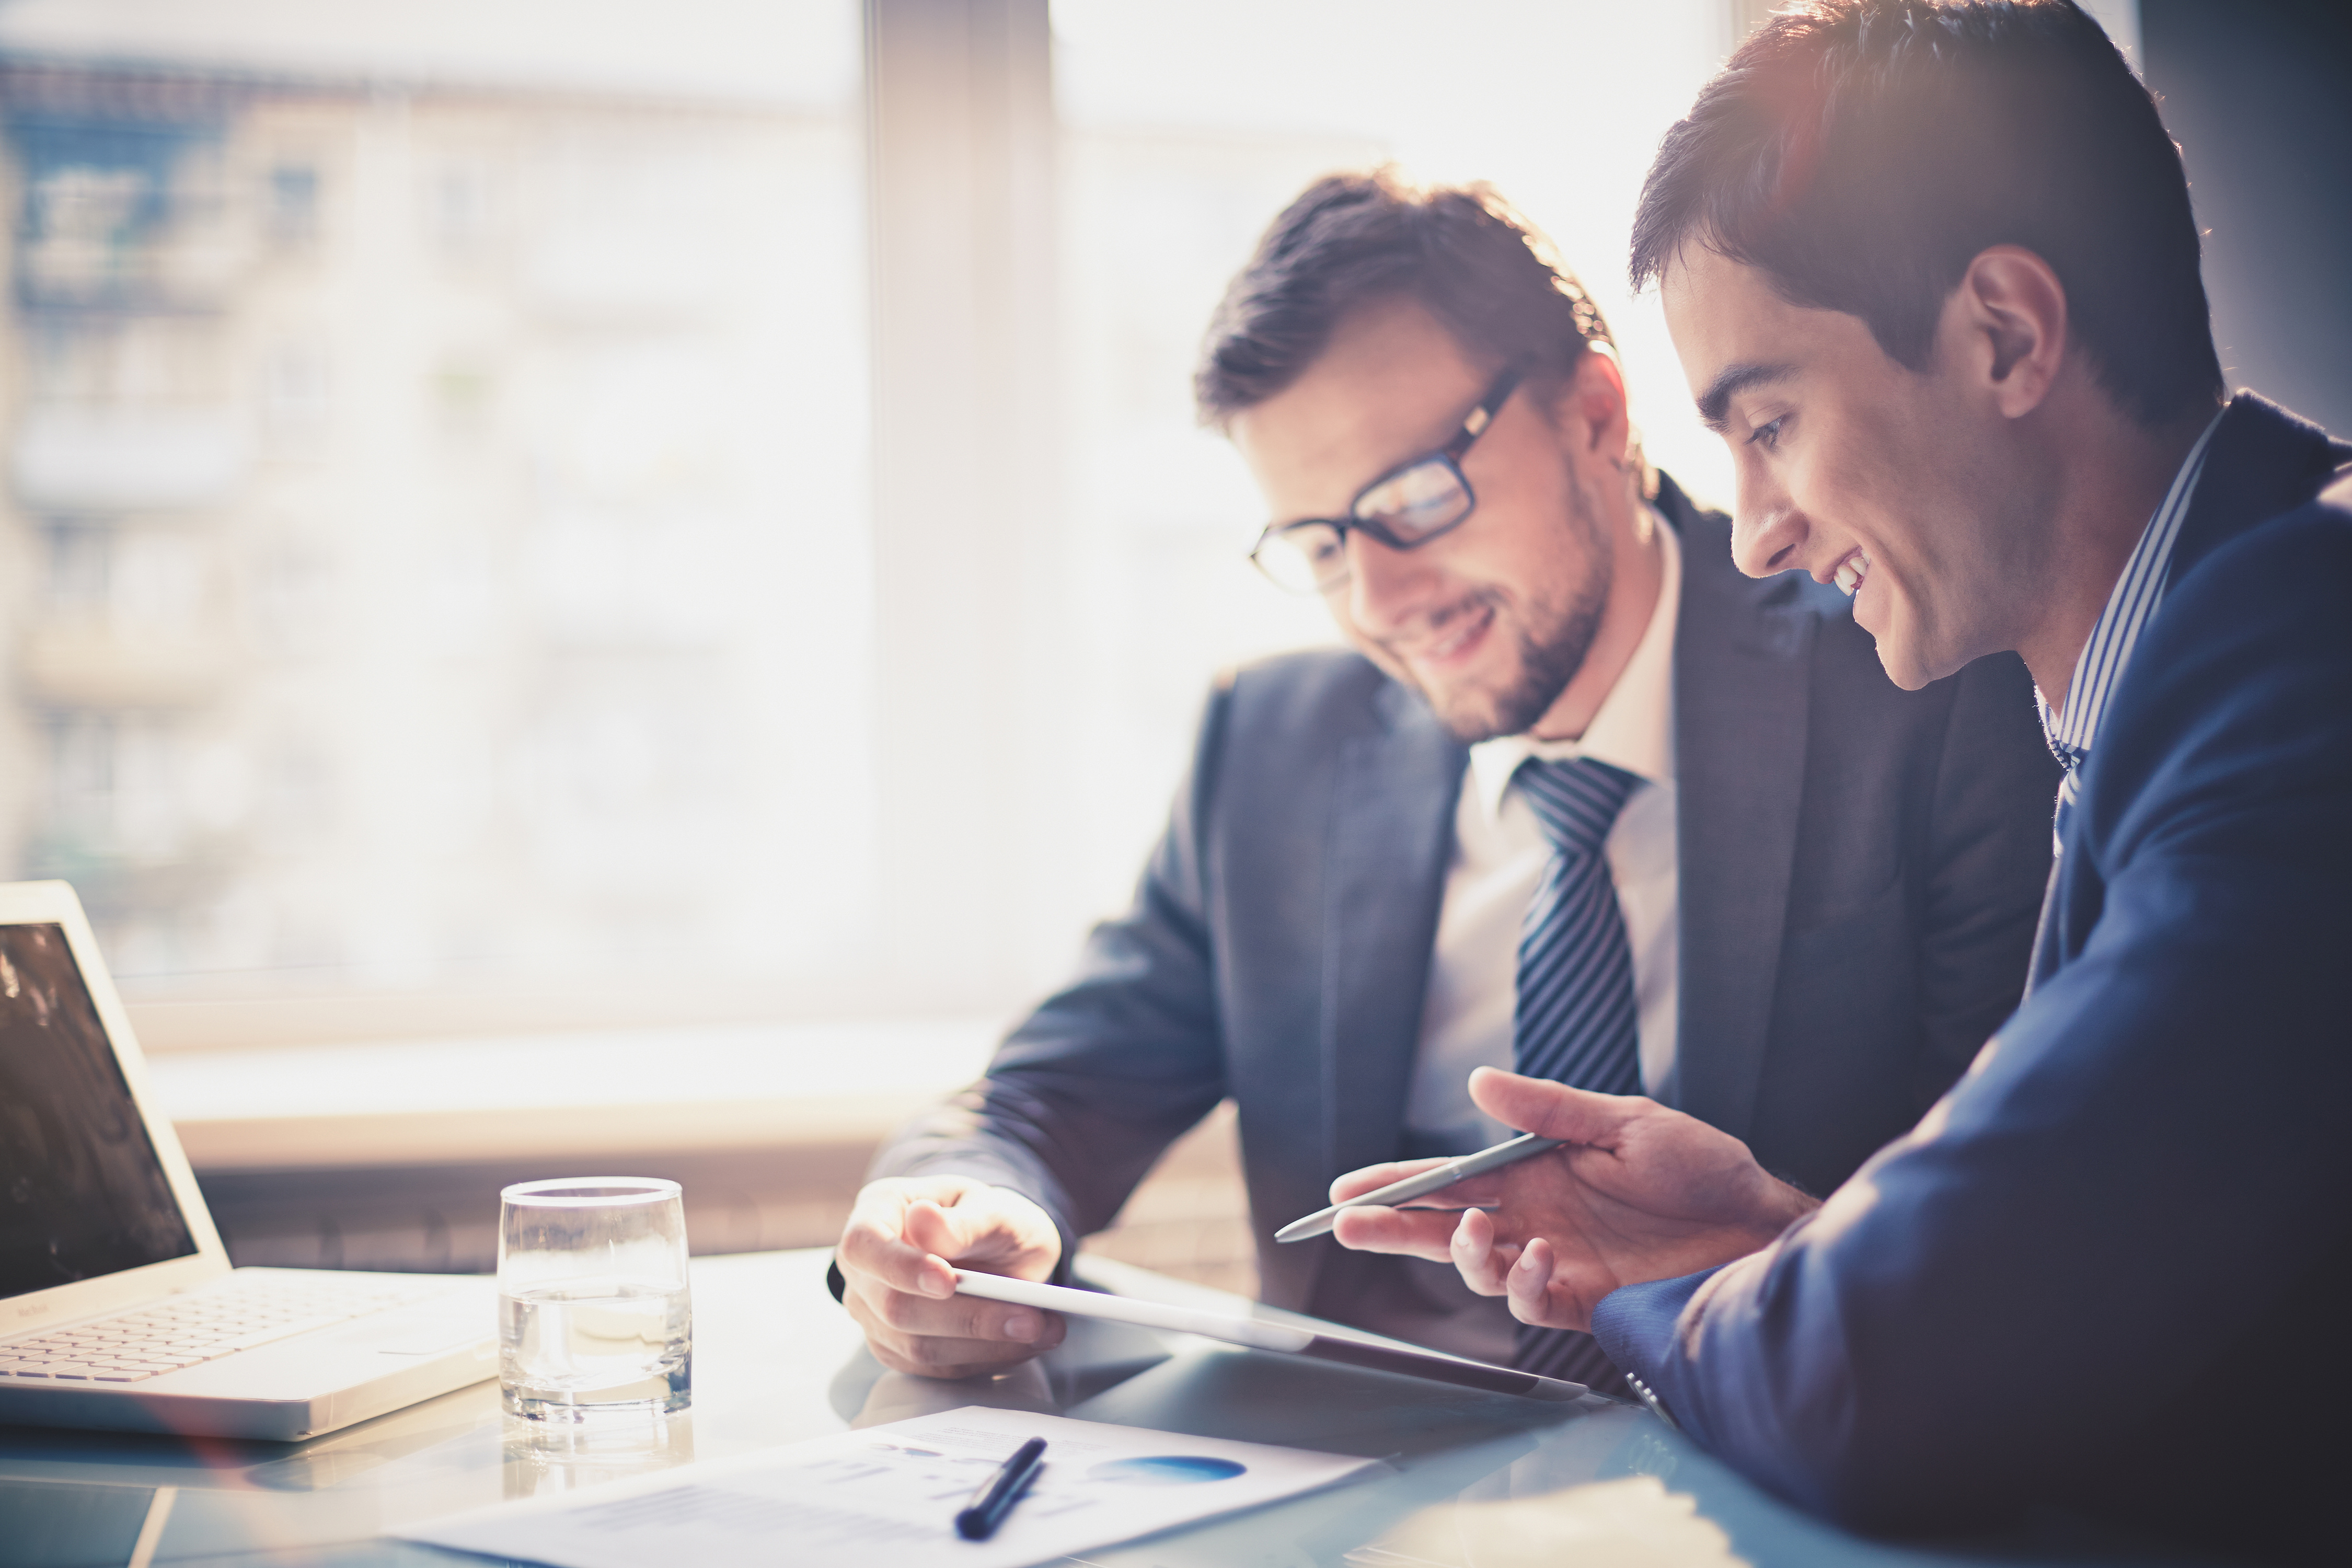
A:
(1640, 1193)
(1427, 1177)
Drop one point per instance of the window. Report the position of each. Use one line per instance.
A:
(444, 449)
(504, 546)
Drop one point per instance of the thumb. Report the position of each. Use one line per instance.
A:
(948, 1232)
(1548, 1109)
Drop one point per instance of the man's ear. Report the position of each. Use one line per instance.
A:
(1589, 409)
(2009, 318)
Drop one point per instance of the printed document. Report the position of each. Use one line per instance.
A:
(889, 1494)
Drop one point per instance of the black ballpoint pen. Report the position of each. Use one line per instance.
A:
(996, 1497)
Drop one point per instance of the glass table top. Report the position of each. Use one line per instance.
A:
(1476, 1480)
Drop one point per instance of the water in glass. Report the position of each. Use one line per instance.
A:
(594, 1315)
(595, 1342)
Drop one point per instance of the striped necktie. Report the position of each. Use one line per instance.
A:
(1576, 1020)
(2070, 759)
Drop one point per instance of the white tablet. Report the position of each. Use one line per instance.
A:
(1278, 1337)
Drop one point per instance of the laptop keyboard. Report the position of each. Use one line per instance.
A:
(205, 1327)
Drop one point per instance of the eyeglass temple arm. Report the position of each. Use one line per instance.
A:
(1474, 425)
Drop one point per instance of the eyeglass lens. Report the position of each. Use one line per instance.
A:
(1416, 502)
(1407, 507)
(1307, 559)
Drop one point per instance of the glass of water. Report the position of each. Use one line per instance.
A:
(593, 1318)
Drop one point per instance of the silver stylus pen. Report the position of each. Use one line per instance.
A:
(1428, 1181)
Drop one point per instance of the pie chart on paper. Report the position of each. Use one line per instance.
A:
(1169, 1470)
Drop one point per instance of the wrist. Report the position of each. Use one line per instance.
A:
(1783, 1204)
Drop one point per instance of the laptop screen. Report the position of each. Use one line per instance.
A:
(81, 1191)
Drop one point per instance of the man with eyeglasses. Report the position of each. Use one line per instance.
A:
(1582, 801)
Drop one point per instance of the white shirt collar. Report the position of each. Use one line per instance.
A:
(1634, 729)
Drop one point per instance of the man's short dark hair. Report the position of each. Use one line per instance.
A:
(1861, 152)
(1349, 240)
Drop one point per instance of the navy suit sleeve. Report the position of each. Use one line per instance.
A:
(2141, 1176)
(1085, 1093)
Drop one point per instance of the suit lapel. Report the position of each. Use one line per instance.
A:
(1391, 838)
(2262, 461)
(1742, 650)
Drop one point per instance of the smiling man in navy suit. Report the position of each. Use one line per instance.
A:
(1798, 902)
(1932, 272)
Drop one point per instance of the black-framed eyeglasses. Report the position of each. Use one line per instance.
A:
(1405, 508)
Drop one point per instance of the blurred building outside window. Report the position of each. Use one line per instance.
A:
(436, 461)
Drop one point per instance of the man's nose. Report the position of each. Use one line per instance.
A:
(1385, 585)
(1767, 530)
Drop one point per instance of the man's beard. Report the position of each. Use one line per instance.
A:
(1550, 657)
(1552, 641)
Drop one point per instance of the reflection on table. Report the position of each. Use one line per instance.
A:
(1480, 1480)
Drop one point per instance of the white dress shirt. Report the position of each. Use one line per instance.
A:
(1500, 856)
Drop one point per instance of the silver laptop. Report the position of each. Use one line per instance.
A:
(118, 1306)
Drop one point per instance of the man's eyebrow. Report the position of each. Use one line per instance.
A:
(1714, 403)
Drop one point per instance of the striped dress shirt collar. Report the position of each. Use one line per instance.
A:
(2137, 594)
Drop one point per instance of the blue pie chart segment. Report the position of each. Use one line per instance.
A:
(1173, 1471)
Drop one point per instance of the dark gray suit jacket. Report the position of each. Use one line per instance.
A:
(1860, 872)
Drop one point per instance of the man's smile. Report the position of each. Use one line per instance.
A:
(1849, 572)
(1452, 640)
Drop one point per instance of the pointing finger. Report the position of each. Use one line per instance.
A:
(1417, 1233)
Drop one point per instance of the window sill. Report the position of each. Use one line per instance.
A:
(704, 1087)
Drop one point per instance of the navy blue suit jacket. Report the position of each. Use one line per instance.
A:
(1860, 872)
(2113, 1269)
